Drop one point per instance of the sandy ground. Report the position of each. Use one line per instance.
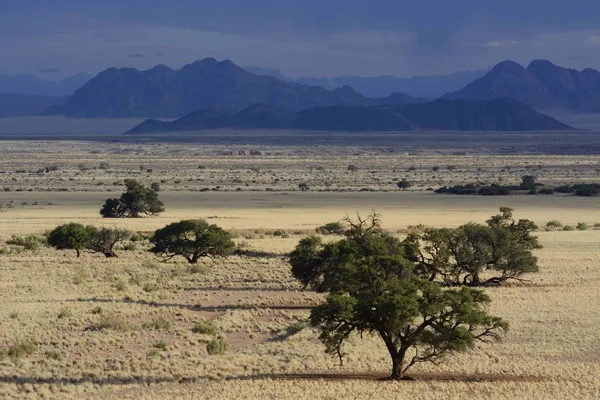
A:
(149, 348)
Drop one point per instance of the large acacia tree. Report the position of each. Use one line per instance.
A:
(78, 237)
(374, 288)
(137, 200)
(191, 239)
(502, 249)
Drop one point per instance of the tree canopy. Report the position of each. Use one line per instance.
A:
(71, 236)
(374, 288)
(136, 201)
(78, 237)
(191, 239)
(502, 249)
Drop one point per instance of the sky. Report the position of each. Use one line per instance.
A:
(58, 38)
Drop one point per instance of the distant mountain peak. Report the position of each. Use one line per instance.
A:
(542, 85)
(164, 93)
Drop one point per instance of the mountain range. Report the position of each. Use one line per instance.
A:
(453, 115)
(426, 86)
(165, 93)
(22, 105)
(541, 85)
(32, 85)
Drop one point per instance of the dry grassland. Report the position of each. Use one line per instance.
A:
(134, 327)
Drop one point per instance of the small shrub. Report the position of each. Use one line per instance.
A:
(568, 228)
(158, 324)
(29, 242)
(154, 353)
(160, 345)
(13, 315)
(97, 310)
(582, 226)
(111, 322)
(216, 347)
(54, 355)
(204, 327)
(20, 349)
(65, 312)
(331, 228)
(280, 233)
(554, 225)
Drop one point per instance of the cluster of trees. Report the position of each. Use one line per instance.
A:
(78, 237)
(190, 239)
(398, 289)
(527, 184)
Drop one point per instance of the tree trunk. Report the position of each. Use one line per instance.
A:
(397, 372)
(110, 254)
(78, 252)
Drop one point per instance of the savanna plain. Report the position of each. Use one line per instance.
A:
(138, 327)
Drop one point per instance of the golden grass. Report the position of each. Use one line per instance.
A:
(124, 328)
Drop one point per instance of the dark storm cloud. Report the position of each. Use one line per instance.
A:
(310, 37)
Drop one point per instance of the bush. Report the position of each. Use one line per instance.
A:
(216, 347)
(582, 226)
(331, 228)
(20, 349)
(203, 327)
(568, 228)
(554, 225)
(158, 324)
(29, 242)
(280, 233)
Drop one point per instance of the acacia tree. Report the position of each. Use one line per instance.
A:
(373, 288)
(136, 200)
(404, 184)
(503, 248)
(104, 240)
(71, 236)
(191, 239)
(78, 237)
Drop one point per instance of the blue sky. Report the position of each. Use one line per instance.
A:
(57, 38)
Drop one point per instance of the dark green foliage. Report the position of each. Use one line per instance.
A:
(303, 186)
(191, 239)
(331, 228)
(78, 237)
(104, 240)
(373, 288)
(71, 236)
(404, 184)
(528, 182)
(494, 190)
(458, 189)
(502, 248)
(136, 200)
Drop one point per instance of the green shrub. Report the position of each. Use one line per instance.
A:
(29, 242)
(331, 228)
(112, 322)
(216, 347)
(554, 225)
(65, 312)
(280, 233)
(204, 327)
(54, 355)
(582, 226)
(20, 349)
(568, 228)
(158, 324)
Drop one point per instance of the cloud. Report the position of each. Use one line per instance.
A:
(49, 70)
(159, 54)
(136, 55)
(501, 43)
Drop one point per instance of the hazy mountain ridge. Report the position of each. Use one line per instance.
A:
(455, 115)
(32, 85)
(163, 92)
(22, 105)
(426, 86)
(541, 85)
